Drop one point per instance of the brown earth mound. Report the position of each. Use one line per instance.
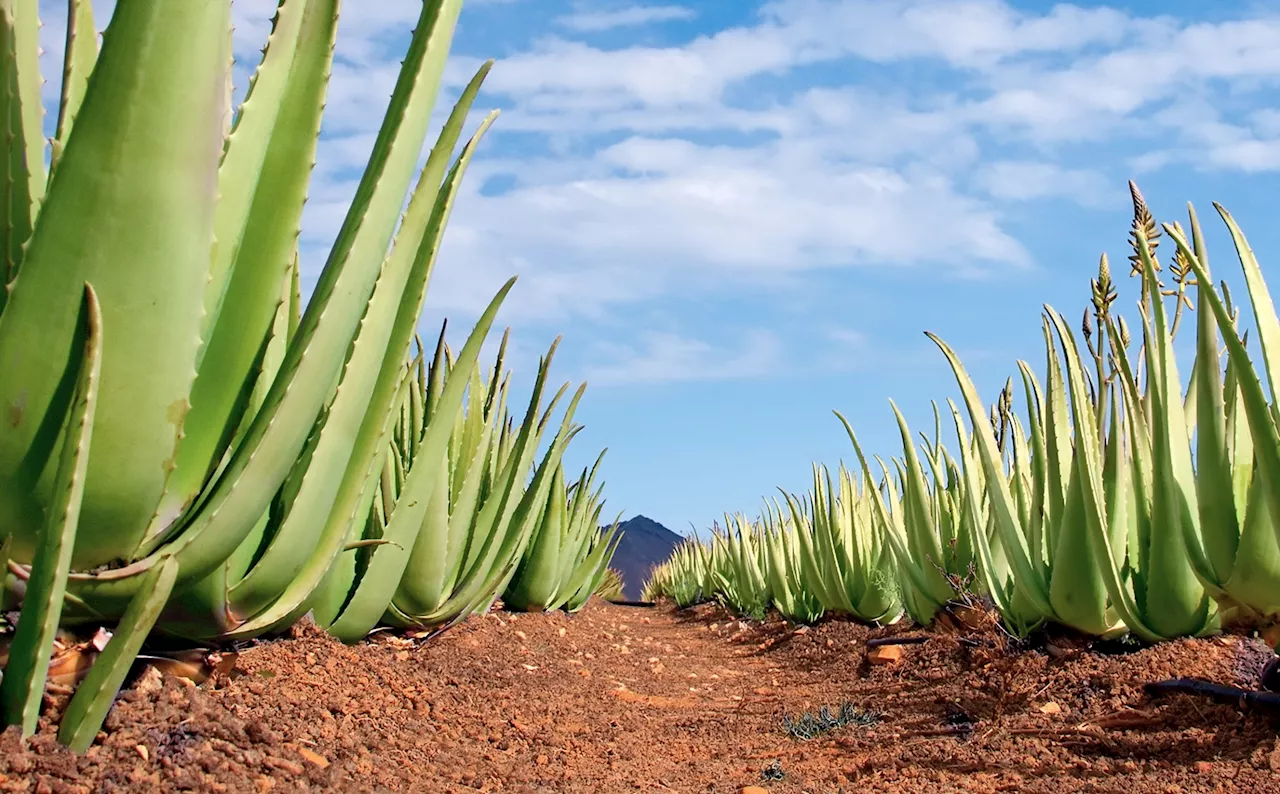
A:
(620, 699)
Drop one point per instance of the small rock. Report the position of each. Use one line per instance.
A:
(150, 681)
(143, 751)
(314, 758)
(1051, 708)
(1204, 767)
(753, 790)
(885, 654)
(542, 760)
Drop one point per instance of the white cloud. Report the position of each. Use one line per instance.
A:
(664, 357)
(965, 33)
(1024, 180)
(633, 16)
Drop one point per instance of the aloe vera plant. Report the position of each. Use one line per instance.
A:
(568, 553)
(1233, 539)
(209, 454)
(844, 557)
(684, 577)
(790, 587)
(447, 529)
(611, 586)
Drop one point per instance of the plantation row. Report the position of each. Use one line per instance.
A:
(186, 448)
(1099, 494)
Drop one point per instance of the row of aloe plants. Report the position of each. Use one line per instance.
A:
(1114, 497)
(186, 448)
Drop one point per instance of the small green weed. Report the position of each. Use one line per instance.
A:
(808, 725)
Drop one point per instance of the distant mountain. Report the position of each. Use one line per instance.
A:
(645, 543)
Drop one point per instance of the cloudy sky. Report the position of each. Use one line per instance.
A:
(742, 215)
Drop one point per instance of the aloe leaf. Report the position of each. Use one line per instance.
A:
(1057, 437)
(538, 575)
(1264, 310)
(22, 688)
(1077, 591)
(80, 55)
(130, 211)
(1039, 467)
(22, 112)
(275, 126)
(1219, 538)
(1176, 602)
(1088, 469)
(262, 186)
(93, 698)
(1255, 578)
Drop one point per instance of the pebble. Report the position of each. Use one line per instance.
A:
(885, 654)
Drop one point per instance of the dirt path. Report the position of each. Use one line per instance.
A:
(623, 699)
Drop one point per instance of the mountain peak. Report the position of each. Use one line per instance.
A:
(645, 544)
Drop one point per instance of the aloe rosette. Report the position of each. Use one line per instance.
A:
(190, 445)
(448, 531)
(845, 560)
(569, 553)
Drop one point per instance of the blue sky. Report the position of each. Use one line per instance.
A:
(743, 215)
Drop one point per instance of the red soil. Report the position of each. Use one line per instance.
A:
(621, 699)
